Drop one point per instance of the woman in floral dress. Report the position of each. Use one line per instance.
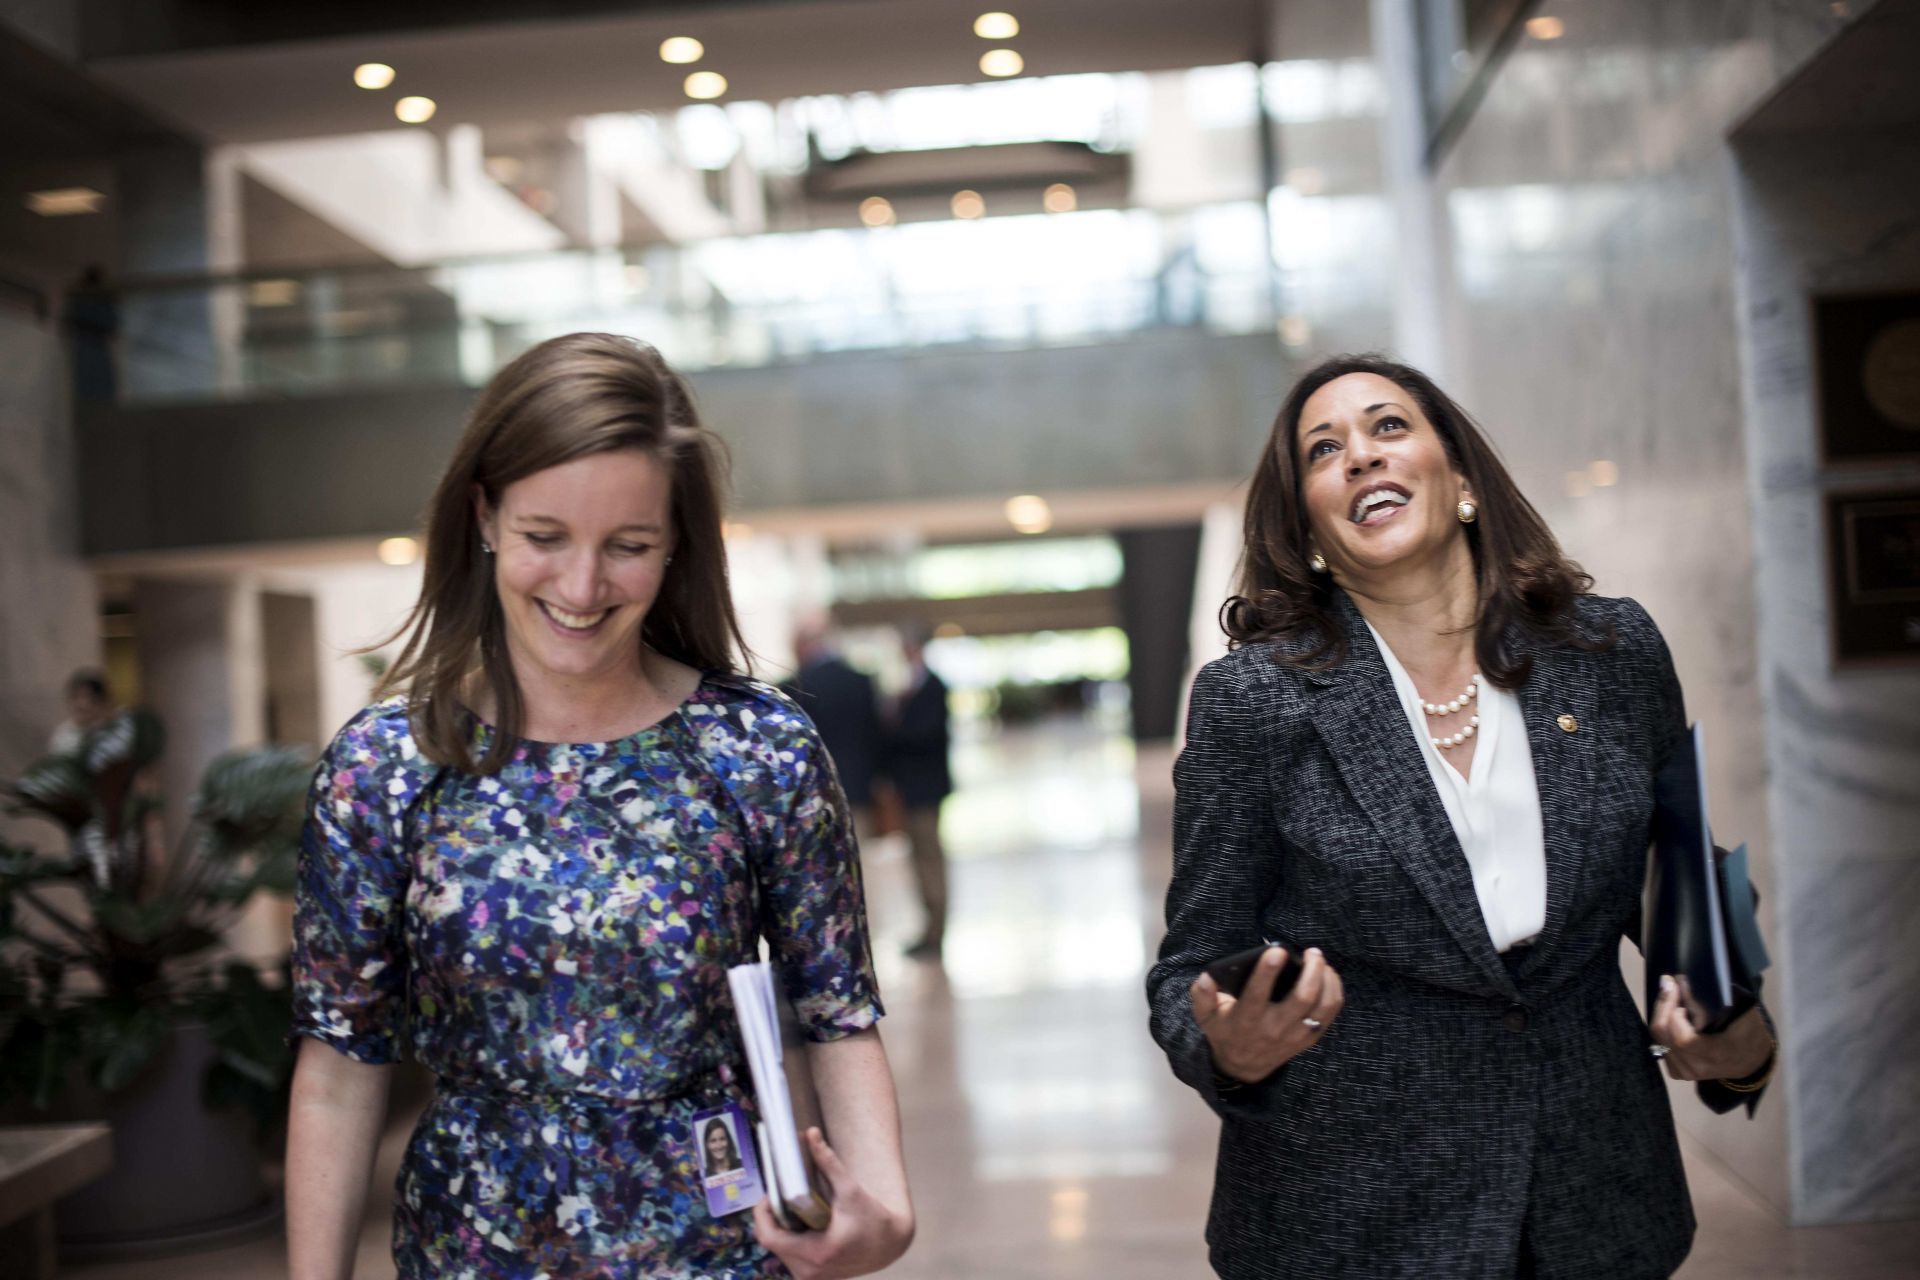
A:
(532, 869)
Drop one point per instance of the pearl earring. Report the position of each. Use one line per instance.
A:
(487, 547)
(1467, 512)
(1317, 562)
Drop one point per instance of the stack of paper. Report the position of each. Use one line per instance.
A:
(784, 1090)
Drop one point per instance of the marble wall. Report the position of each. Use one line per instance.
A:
(1833, 211)
(1592, 324)
(48, 623)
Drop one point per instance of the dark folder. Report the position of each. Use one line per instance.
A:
(1698, 917)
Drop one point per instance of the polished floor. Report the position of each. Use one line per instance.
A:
(1046, 1138)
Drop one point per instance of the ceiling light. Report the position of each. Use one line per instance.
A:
(1295, 331)
(1059, 198)
(1603, 473)
(1002, 62)
(706, 84)
(415, 110)
(968, 204)
(273, 293)
(398, 551)
(373, 75)
(1546, 28)
(875, 211)
(1029, 513)
(62, 202)
(680, 50)
(996, 26)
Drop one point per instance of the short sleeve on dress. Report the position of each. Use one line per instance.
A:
(812, 903)
(349, 955)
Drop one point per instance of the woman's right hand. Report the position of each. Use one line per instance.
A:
(1252, 1035)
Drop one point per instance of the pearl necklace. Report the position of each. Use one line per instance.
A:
(1469, 695)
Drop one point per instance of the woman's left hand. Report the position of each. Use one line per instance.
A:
(863, 1236)
(1739, 1051)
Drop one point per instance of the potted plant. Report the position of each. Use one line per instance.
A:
(117, 998)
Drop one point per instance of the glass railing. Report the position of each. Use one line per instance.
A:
(1013, 282)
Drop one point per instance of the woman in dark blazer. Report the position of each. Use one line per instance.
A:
(1459, 1084)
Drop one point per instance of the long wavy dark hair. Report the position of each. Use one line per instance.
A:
(1525, 581)
(581, 394)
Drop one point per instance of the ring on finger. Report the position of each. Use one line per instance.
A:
(1659, 1050)
(1312, 1024)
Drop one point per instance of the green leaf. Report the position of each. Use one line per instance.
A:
(57, 788)
(135, 738)
(247, 1022)
(126, 1041)
(251, 797)
(20, 868)
(141, 923)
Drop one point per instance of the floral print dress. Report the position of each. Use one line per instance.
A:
(553, 942)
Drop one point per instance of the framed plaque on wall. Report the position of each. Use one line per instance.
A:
(1867, 358)
(1873, 542)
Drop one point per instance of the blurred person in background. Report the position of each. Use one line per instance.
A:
(840, 700)
(1427, 767)
(918, 738)
(92, 320)
(532, 866)
(89, 706)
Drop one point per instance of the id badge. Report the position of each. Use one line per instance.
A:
(729, 1166)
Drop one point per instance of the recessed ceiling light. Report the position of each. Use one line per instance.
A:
(1029, 513)
(1059, 198)
(877, 211)
(1002, 62)
(415, 110)
(996, 26)
(1604, 473)
(373, 75)
(273, 293)
(1546, 28)
(63, 202)
(968, 204)
(398, 551)
(681, 50)
(705, 84)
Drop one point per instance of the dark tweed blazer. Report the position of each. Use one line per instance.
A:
(1458, 1107)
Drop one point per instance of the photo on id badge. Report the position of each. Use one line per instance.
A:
(728, 1168)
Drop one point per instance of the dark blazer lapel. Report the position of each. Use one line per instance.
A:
(1564, 683)
(1359, 716)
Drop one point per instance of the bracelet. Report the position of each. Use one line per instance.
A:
(1758, 1080)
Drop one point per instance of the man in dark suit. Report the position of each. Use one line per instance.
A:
(916, 761)
(843, 706)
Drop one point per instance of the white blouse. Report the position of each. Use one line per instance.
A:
(1496, 812)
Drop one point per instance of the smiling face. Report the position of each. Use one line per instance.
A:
(1379, 489)
(580, 552)
(719, 1146)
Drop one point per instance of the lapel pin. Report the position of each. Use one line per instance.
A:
(1568, 723)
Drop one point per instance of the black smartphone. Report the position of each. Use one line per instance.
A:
(1231, 974)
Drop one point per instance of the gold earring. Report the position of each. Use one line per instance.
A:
(1317, 562)
(1467, 512)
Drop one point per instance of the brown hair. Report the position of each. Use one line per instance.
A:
(1524, 579)
(569, 397)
